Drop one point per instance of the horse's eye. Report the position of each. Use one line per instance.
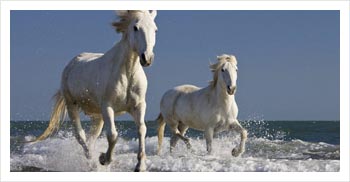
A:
(135, 28)
(222, 70)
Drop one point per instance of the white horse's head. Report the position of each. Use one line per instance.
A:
(139, 28)
(225, 73)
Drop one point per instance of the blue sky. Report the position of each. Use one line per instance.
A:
(288, 60)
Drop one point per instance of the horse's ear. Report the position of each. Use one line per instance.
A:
(153, 13)
(218, 58)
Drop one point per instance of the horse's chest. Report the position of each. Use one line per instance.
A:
(118, 94)
(125, 94)
(119, 91)
(222, 119)
(221, 125)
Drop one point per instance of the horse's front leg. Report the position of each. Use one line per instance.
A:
(237, 127)
(208, 134)
(138, 114)
(112, 134)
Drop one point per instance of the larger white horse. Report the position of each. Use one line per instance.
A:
(110, 84)
(211, 109)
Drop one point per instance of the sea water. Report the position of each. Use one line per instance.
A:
(271, 146)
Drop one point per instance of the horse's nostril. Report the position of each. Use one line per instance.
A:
(231, 89)
(145, 63)
(143, 57)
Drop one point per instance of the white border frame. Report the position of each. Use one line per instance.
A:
(343, 6)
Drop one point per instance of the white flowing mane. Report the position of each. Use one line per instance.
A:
(215, 68)
(125, 17)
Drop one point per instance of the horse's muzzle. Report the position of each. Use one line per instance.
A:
(146, 60)
(231, 90)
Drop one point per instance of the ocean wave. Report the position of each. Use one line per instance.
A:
(63, 153)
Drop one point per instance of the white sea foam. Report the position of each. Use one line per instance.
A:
(65, 154)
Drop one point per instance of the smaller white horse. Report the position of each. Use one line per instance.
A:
(211, 109)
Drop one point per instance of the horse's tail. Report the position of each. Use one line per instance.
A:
(58, 114)
(161, 127)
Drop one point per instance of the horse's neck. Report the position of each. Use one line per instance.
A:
(122, 58)
(219, 97)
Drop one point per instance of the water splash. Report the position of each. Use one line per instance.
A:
(259, 128)
(261, 155)
(269, 147)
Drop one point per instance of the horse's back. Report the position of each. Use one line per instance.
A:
(81, 60)
(84, 58)
(80, 78)
(88, 56)
(170, 98)
(185, 89)
(171, 95)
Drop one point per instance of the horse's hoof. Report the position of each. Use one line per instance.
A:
(235, 152)
(209, 152)
(140, 168)
(92, 166)
(103, 160)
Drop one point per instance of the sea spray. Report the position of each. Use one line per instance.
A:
(269, 152)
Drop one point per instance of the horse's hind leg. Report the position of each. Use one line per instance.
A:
(95, 131)
(173, 140)
(138, 114)
(178, 130)
(237, 127)
(175, 131)
(73, 112)
(183, 128)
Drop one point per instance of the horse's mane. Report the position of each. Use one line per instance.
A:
(125, 17)
(215, 68)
